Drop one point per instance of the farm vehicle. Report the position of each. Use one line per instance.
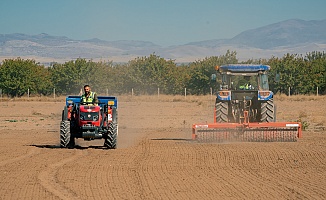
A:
(89, 122)
(244, 108)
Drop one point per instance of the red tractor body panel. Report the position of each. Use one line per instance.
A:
(89, 115)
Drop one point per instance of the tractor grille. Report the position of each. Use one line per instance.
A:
(89, 116)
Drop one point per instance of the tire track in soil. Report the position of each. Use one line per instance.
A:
(49, 181)
(280, 170)
(299, 184)
(131, 177)
(106, 174)
(29, 153)
(243, 170)
(8, 189)
(137, 172)
(173, 172)
(248, 166)
(303, 167)
(221, 173)
(161, 171)
(19, 177)
(232, 175)
(133, 171)
(168, 169)
(250, 171)
(154, 169)
(201, 174)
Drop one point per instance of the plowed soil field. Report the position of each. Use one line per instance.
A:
(156, 158)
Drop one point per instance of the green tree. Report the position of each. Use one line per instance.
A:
(316, 64)
(301, 74)
(69, 78)
(18, 76)
(147, 74)
(200, 72)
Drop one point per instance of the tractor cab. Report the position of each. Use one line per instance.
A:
(242, 77)
(242, 81)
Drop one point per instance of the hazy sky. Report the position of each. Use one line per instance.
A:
(163, 22)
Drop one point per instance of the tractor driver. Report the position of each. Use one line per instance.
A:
(89, 97)
(245, 84)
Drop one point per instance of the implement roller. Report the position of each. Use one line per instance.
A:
(244, 109)
(247, 132)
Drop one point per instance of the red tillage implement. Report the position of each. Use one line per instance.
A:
(247, 132)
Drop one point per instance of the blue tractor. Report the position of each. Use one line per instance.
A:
(244, 109)
(243, 90)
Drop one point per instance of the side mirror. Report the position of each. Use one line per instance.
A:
(277, 77)
(213, 77)
(105, 108)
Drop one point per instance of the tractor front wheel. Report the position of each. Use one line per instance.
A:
(66, 140)
(65, 113)
(110, 141)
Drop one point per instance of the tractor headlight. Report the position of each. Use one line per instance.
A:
(95, 118)
(81, 117)
(264, 93)
(224, 93)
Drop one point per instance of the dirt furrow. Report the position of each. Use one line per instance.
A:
(48, 179)
(30, 152)
(155, 158)
(19, 178)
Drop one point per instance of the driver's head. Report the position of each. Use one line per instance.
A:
(87, 89)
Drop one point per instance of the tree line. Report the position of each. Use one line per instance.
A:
(302, 73)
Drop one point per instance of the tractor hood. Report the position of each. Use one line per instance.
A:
(89, 108)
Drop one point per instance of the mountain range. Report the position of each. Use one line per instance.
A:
(292, 36)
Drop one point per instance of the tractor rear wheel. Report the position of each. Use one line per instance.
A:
(221, 109)
(66, 140)
(110, 141)
(268, 111)
(64, 113)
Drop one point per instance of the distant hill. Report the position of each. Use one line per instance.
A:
(287, 33)
(290, 36)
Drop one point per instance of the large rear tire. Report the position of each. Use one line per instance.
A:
(66, 140)
(110, 141)
(221, 109)
(268, 111)
(65, 113)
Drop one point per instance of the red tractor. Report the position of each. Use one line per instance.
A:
(89, 122)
